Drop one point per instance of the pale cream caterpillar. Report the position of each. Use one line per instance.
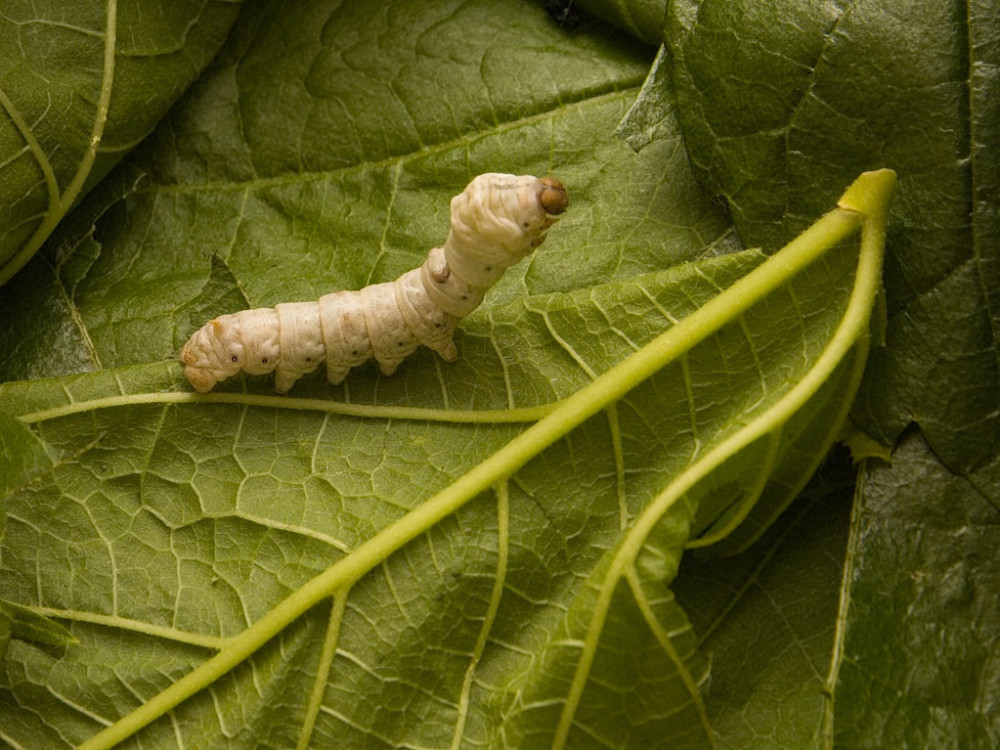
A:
(495, 222)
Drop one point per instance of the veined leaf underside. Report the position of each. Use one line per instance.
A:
(531, 588)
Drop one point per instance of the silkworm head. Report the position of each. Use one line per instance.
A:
(553, 197)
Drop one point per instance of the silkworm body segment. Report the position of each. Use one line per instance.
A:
(496, 221)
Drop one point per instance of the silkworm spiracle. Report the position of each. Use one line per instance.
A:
(495, 222)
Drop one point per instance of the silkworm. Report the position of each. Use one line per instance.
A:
(496, 221)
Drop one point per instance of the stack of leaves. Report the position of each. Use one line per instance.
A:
(620, 519)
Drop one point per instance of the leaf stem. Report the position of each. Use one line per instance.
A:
(462, 416)
(852, 328)
(125, 624)
(334, 622)
(856, 209)
(503, 542)
(869, 194)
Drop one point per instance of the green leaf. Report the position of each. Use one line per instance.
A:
(653, 114)
(642, 19)
(766, 617)
(24, 457)
(924, 613)
(80, 84)
(216, 483)
(782, 102)
(31, 626)
(176, 534)
(251, 196)
(777, 103)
